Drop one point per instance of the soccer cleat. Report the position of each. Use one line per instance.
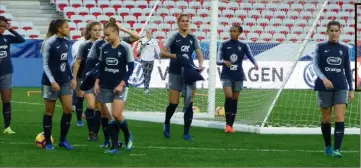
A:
(166, 130)
(106, 144)
(8, 131)
(336, 154)
(120, 144)
(328, 151)
(146, 91)
(129, 142)
(49, 147)
(65, 144)
(80, 124)
(112, 151)
(228, 129)
(187, 137)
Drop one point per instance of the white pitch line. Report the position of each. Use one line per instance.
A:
(199, 149)
(37, 104)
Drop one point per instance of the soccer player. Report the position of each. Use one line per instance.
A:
(115, 58)
(148, 50)
(333, 85)
(57, 81)
(180, 44)
(77, 98)
(93, 59)
(231, 55)
(92, 113)
(6, 69)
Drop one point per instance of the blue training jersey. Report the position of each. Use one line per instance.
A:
(332, 61)
(234, 51)
(113, 64)
(6, 66)
(82, 54)
(184, 46)
(55, 61)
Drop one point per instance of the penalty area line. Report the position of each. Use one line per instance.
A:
(199, 148)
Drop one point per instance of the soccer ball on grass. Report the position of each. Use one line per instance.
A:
(40, 140)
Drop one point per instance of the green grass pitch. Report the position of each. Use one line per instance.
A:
(210, 148)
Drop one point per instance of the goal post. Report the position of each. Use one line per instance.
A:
(278, 98)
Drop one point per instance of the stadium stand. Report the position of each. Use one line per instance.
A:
(291, 18)
(29, 17)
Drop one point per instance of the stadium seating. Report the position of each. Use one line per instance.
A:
(25, 28)
(264, 21)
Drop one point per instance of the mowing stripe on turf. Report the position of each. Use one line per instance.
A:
(200, 149)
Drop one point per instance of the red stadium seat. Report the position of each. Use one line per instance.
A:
(103, 4)
(72, 26)
(89, 4)
(136, 12)
(61, 4)
(123, 11)
(77, 18)
(266, 37)
(128, 4)
(257, 29)
(116, 5)
(75, 35)
(279, 37)
(130, 20)
(69, 11)
(253, 37)
(168, 4)
(2, 9)
(33, 34)
(15, 25)
(181, 4)
(102, 19)
(75, 3)
(141, 4)
(83, 11)
(95, 11)
(109, 11)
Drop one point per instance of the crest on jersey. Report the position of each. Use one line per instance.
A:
(341, 52)
(239, 48)
(5, 40)
(233, 57)
(119, 54)
(191, 41)
(66, 45)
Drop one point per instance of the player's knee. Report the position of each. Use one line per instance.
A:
(117, 116)
(67, 109)
(49, 111)
(326, 119)
(91, 106)
(339, 118)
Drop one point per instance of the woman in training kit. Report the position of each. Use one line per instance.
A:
(333, 85)
(77, 98)
(231, 55)
(115, 58)
(6, 69)
(92, 113)
(180, 44)
(57, 80)
(92, 60)
(148, 50)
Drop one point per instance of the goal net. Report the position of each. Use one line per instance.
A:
(282, 34)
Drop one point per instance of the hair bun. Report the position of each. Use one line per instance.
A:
(112, 20)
